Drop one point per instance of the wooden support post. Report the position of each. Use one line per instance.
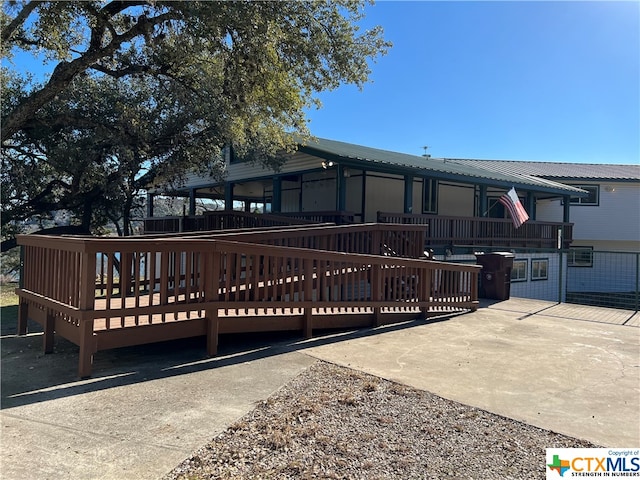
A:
(23, 317)
(425, 280)
(212, 287)
(49, 329)
(213, 324)
(376, 294)
(308, 322)
(87, 348)
(474, 289)
(308, 294)
(126, 273)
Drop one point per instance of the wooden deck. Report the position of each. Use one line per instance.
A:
(103, 293)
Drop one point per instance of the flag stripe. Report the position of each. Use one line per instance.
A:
(512, 203)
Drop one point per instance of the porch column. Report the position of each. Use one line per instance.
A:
(531, 205)
(482, 202)
(341, 189)
(228, 195)
(408, 194)
(276, 199)
(150, 197)
(192, 201)
(565, 210)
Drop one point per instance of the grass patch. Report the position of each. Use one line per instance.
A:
(8, 307)
(7, 296)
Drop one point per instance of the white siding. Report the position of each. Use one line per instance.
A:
(294, 164)
(613, 224)
(549, 210)
(616, 218)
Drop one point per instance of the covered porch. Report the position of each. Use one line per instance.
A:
(342, 183)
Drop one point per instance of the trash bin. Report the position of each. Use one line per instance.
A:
(495, 279)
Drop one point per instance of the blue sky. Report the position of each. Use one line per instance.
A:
(543, 80)
(552, 81)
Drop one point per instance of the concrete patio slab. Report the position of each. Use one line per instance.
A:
(580, 378)
(148, 408)
(144, 411)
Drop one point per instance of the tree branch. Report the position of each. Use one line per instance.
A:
(15, 24)
(65, 72)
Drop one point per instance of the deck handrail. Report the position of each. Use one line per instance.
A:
(450, 230)
(219, 220)
(367, 238)
(75, 270)
(155, 282)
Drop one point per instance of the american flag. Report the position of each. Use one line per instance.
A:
(511, 201)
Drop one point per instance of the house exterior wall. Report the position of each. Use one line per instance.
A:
(291, 196)
(610, 272)
(319, 191)
(612, 224)
(353, 185)
(455, 200)
(384, 193)
(546, 289)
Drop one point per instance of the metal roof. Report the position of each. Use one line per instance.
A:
(452, 169)
(564, 171)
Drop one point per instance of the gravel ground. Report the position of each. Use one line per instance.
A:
(331, 422)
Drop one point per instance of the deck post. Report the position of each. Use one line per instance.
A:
(23, 316)
(49, 328)
(213, 327)
(376, 276)
(426, 290)
(308, 294)
(308, 322)
(87, 348)
(212, 287)
(474, 290)
(87, 304)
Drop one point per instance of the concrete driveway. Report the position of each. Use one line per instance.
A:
(147, 408)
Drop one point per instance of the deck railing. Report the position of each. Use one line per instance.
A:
(369, 238)
(159, 289)
(330, 216)
(445, 230)
(218, 220)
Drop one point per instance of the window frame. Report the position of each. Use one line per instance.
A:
(430, 187)
(536, 276)
(524, 262)
(580, 201)
(571, 257)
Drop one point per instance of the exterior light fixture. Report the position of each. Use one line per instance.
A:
(328, 164)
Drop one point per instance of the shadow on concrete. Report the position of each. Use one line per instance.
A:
(29, 376)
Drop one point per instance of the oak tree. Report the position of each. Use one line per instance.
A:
(141, 92)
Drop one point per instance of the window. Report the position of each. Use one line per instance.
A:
(580, 257)
(592, 199)
(539, 269)
(519, 271)
(430, 196)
